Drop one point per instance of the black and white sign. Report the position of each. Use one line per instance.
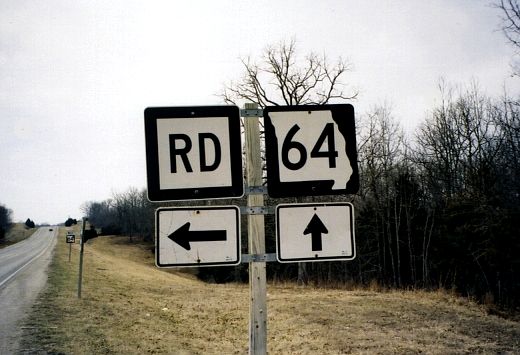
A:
(193, 153)
(310, 150)
(315, 232)
(70, 238)
(197, 236)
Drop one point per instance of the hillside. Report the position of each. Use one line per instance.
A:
(129, 306)
(17, 233)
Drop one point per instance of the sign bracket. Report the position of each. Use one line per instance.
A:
(256, 210)
(256, 190)
(256, 258)
(251, 113)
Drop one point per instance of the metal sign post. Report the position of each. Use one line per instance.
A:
(70, 239)
(256, 236)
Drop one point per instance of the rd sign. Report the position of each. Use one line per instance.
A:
(197, 236)
(310, 150)
(315, 232)
(193, 152)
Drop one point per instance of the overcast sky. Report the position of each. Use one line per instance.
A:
(75, 76)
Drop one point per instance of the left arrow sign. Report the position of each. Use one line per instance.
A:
(183, 236)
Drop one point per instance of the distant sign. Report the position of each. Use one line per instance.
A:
(315, 232)
(193, 152)
(70, 238)
(310, 150)
(197, 236)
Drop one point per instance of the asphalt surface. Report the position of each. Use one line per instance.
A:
(23, 274)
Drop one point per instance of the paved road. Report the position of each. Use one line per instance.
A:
(23, 273)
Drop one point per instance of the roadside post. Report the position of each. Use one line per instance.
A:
(81, 243)
(85, 235)
(256, 235)
(70, 239)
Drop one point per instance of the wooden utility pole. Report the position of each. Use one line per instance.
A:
(82, 244)
(256, 235)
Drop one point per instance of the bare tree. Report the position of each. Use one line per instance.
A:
(282, 78)
(459, 143)
(510, 10)
(463, 152)
(382, 159)
(505, 117)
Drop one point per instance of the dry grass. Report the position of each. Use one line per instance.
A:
(131, 307)
(17, 233)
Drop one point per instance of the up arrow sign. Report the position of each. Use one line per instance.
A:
(183, 236)
(335, 219)
(316, 228)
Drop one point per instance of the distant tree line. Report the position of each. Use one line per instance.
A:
(443, 210)
(128, 213)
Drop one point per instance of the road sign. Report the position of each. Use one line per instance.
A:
(70, 238)
(315, 232)
(310, 150)
(197, 236)
(193, 153)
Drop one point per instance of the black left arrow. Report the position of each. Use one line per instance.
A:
(183, 236)
(316, 228)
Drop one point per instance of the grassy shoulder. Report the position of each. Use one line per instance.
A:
(128, 306)
(16, 233)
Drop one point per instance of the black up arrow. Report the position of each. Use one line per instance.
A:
(315, 228)
(183, 236)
